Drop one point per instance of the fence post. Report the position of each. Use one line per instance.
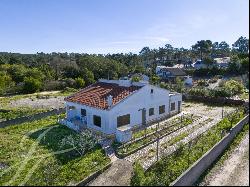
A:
(157, 151)
(222, 113)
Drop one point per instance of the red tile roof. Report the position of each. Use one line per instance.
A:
(96, 94)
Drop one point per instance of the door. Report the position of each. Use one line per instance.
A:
(179, 106)
(144, 116)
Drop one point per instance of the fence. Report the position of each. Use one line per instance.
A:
(190, 176)
(214, 100)
(154, 136)
(30, 118)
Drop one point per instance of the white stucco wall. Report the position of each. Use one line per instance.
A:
(138, 100)
(142, 99)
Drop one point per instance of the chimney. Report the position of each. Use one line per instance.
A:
(110, 100)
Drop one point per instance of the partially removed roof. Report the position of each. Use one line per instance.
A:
(96, 95)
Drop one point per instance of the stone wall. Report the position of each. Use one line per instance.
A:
(219, 100)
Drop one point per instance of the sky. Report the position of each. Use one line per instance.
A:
(118, 26)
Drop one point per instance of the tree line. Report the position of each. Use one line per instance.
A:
(28, 73)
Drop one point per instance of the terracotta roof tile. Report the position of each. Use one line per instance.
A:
(96, 94)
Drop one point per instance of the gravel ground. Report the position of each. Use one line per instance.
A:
(234, 171)
(119, 174)
(49, 103)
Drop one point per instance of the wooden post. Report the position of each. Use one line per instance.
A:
(222, 113)
(157, 151)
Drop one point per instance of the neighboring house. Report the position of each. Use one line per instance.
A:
(116, 106)
(200, 64)
(222, 62)
(171, 73)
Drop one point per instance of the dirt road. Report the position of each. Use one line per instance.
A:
(235, 170)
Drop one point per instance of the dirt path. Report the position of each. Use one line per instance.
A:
(235, 170)
(119, 174)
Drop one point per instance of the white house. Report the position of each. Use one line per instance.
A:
(222, 62)
(116, 106)
(200, 64)
(172, 73)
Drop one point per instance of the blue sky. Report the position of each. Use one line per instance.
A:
(110, 26)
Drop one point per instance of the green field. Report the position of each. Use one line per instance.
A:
(32, 154)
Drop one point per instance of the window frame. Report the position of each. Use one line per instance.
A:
(172, 104)
(82, 109)
(122, 121)
(95, 117)
(162, 107)
(150, 111)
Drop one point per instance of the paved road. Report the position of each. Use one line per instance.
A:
(235, 170)
(118, 174)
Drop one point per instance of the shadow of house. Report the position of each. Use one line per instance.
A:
(52, 141)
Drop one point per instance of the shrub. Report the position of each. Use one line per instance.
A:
(198, 92)
(79, 82)
(138, 177)
(202, 83)
(234, 86)
(219, 92)
(31, 85)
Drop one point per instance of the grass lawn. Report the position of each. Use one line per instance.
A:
(32, 154)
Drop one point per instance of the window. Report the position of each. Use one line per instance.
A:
(97, 121)
(172, 106)
(83, 112)
(162, 109)
(72, 107)
(151, 112)
(123, 120)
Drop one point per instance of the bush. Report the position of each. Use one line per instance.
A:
(219, 92)
(138, 177)
(31, 85)
(79, 82)
(234, 87)
(202, 83)
(198, 92)
(53, 85)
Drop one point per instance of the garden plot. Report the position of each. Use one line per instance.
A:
(210, 116)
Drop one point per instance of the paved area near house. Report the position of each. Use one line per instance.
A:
(118, 174)
(234, 171)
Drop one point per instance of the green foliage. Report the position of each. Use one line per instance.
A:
(136, 79)
(138, 177)
(234, 87)
(5, 82)
(202, 82)
(80, 83)
(31, 85)
(66, 167)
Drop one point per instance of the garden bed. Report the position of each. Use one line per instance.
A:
(143, 141)
(170, 167)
